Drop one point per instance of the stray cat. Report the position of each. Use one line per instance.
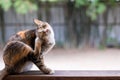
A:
(28, 46)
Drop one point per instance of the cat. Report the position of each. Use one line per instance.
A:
(28, 46)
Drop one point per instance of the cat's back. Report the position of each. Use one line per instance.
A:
(25, 36)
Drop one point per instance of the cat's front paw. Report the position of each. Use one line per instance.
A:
(52, 72)
(47, 70)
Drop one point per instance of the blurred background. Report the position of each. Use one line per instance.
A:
(82, 29)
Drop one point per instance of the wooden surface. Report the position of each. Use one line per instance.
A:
(67, 75)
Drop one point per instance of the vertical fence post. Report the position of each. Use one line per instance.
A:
(2, 25)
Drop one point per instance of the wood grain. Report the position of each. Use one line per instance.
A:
(67, 75)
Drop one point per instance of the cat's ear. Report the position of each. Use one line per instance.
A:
(37, 22)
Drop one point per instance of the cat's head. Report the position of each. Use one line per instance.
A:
(43, 29)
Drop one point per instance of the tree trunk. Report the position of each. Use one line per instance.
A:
(2, 24)
(70, 25)
(44, 8)
(85, 24)
(105, 19)
(78, 26)
(47, 11)
(39, 10)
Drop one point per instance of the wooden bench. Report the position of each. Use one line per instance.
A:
(67, 75)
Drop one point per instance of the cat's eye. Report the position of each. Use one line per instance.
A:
(44, 26)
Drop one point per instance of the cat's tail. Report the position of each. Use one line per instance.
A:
(3, 73)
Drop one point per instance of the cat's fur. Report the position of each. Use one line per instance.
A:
(28, 46)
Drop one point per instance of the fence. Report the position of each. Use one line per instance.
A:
(71, 26)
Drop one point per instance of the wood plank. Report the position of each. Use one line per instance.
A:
(67, 75)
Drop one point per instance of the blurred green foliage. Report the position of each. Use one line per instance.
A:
(23, 6)
(20, 6)
(94, 7)
(5, 4)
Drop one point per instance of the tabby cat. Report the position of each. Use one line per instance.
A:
(26, 47)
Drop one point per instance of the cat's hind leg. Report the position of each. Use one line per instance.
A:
(15, 56)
